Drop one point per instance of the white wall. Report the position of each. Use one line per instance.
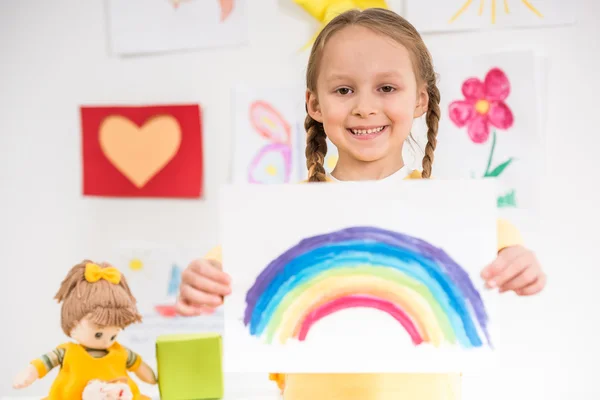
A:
(54, 57)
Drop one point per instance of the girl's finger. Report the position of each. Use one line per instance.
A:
(205, 310)
(197, 298)
(533, 288)
(187, 310)
(514, 268)
(522, 280)
(504, 259)
(208, 285)
(209, 269)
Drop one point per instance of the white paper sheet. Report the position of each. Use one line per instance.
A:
(460, 15)
(155, 26)
(268, 133)
(257, 226)
(458, 155)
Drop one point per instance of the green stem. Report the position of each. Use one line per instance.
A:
(487, 169)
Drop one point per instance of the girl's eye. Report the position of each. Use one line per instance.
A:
(387, 89)
(343, 91)
(98, 335)
(113, 337)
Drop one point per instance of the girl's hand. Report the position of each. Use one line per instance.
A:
(26, 377)
(203, 287)
(517, 269)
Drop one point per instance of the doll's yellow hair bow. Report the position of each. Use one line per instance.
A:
(93, 273)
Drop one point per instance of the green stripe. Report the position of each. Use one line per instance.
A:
(60, 355)
(131, 359)
(47, 362)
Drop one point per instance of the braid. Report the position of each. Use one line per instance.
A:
(432, 119)
(316, 149)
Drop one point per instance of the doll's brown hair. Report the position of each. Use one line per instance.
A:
(390, 24)
(104, 302)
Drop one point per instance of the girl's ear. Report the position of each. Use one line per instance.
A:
(312, 107)
(422, 102)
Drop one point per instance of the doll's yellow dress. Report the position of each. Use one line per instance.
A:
(79, 367)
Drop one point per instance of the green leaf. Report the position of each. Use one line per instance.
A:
(498, 170)
(508, 200)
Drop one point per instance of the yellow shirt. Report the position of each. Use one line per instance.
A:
(79, 367)
(402, 386)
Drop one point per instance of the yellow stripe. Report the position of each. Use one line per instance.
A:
(409, 300)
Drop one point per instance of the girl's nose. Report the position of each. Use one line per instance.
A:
(364, 107)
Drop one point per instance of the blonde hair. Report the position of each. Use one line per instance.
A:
(105, 303)
(388, 23)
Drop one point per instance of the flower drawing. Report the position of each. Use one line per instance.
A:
(482, 111)
(483, 106)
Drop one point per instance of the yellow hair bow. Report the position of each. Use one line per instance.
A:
(93, 273)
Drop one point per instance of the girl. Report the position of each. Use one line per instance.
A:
(369, 76)
(97, 305)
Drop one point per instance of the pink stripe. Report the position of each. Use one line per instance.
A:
(360, 301)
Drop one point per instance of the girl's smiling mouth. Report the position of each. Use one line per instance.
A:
(367, 132)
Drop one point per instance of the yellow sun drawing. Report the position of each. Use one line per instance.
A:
(135, 264)
(468, 3)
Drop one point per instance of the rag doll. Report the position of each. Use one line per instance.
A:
(97, 304)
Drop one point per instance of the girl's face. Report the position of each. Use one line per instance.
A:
(367, 95)
(93, 336)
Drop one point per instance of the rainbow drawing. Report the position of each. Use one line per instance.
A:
(416, 283)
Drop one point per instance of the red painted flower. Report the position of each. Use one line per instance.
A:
(483, 106)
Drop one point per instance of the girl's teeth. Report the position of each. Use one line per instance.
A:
(366, 131)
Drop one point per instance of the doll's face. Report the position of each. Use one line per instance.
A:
(93, 336)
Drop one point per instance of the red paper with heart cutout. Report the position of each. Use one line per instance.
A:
(142, 151)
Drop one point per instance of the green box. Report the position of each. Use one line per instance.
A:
(189, 366)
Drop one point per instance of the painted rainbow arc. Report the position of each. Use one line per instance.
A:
(416, 283)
